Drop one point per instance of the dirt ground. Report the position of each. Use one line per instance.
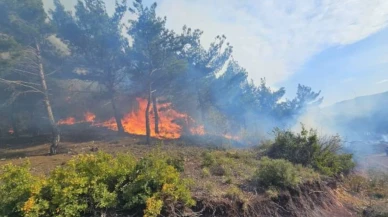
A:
(36, 149)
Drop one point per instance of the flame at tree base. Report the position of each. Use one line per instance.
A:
(134, 121)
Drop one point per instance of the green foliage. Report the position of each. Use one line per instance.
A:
(208, 159)
(17, 185)
(86, 183)
(177, 162)
(94, 184)
(153, 182)
(307, 149)
(229, 163)
(234, 193)
(277, 173)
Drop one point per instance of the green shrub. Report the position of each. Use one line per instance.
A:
(86, 184)
(177, 162)
(205, 172)
(234, 193)
(307, 149)
(90, 185)
(208, 159)
(276, 173)
(155, 182)
(17, 186)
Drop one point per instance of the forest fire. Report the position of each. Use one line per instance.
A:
(89, 117)
(200, 130)
(134, 121)
(67, 121)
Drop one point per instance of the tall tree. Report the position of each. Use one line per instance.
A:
(97, 45)
(305, 99)
(229, 93)
(203, 66)
(155, 55)
(25, 23)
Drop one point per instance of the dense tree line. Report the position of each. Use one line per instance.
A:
(88, 53)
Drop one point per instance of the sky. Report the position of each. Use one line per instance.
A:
(337, 46)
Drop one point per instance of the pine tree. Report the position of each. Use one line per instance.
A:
(97, 45)
(25, 25)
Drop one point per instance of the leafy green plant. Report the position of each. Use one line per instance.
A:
(94, 185)
(234, 193)
(87, 184)
(307, 149)
(155, 182)
(17, 186)
(276, 173)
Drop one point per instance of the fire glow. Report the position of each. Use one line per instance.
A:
(134, 121)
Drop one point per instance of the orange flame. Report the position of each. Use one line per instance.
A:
(228, 136)
(67, 121)
(134, 122)
(89, 117)
(199, 130)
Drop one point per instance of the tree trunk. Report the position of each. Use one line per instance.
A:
(120, 127)
(202, 109)
(33, 128)
(147, 116)
(156, 113)
(55, 131)
(15, 126)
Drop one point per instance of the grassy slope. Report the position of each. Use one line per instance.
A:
(220, 183)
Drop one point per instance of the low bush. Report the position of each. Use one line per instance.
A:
(91, 185)
(276, 173)
(155, 184)
(356, 183)
(17, 186)
(86, 184)
(229, 163)
(307, 149)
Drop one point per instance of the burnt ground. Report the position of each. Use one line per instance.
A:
(212, 192)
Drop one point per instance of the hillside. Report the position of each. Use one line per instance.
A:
(222, 178)
(362, 118)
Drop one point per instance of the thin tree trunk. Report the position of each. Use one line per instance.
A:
(15, 126)
(147, 116)
(55, 131)
(202, 109)
(33, 126)
(156, 113)
(120, 127)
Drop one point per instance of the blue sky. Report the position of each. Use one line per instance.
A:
(344, 72)
(339, 47)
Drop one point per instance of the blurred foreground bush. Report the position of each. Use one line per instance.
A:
(91, 185)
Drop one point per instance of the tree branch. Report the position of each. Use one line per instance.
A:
(22, 83)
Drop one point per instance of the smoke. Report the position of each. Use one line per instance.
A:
(385, 138)
(361, 122)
